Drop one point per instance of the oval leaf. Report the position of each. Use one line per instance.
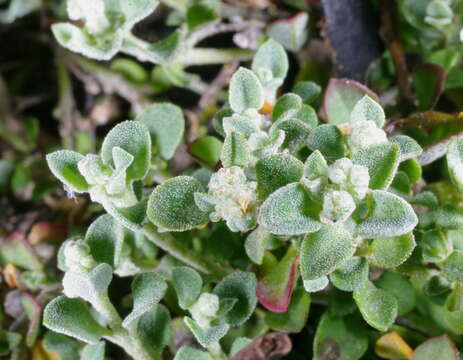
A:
(351, 275)
(187, 284)
(166, 124)
(389, 215)
(382, 162)
(378, 307)
(134, 138)
(172, 205)
(289, 211)
(63, 164)
(72, 317)
(245, 91)
(324, 251)
(240, 286)
(276, 171)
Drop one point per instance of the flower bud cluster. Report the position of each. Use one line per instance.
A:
(234, 197)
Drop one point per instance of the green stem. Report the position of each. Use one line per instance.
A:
(104, 306)
(216, 351)
(131, 345)
(169, 244)
(140, 49)
(210, 56)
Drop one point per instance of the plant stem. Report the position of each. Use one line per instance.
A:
(190, 56)
(107, 309)
(216, 351)
(131, 344)
(209, 56)
(169, 244)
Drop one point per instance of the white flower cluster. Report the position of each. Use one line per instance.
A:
(91, 12)
(350, 177)
(234, 197)
(364, 134)
(205, 309)
(340, 187)
(337, 205)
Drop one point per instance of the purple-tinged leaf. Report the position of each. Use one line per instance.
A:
(275, 289)
(341, 96)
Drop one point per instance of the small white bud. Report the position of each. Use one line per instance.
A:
(235, 198)
(77, 256)
(205, 309)
(365, 134)
(338, 205)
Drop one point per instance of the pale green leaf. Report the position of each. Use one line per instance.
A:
(324, 251)
(172, 206)
(289, 211)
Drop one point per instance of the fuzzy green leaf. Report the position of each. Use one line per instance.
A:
(187, 353)
(435, 246)
(286, 107)
(75, 39)
(134, 138)
(147, 289)
(276, 171)
(382, 162)
(452, 267)
(63, 164)
(206, 337)
(309, 91)
(245, 91)
(256, 244)
(324, 251)
(187, 284)
(368, 109)
(409, 148)
(328, 140)
(172, 206)
(388, 216)
(378, 307)
(351, 275)
(88, 286)
(72, 317)
(93, 351)
(291, 33)
(316, 284)
(271, 58)
(105, 237)
(315, 165)
(240, 286)
(153, 329)
(166, 124)
(392, 251)
(289, 211)
(296, 133)
(235, 151)
(455, 162)
(402, 289)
